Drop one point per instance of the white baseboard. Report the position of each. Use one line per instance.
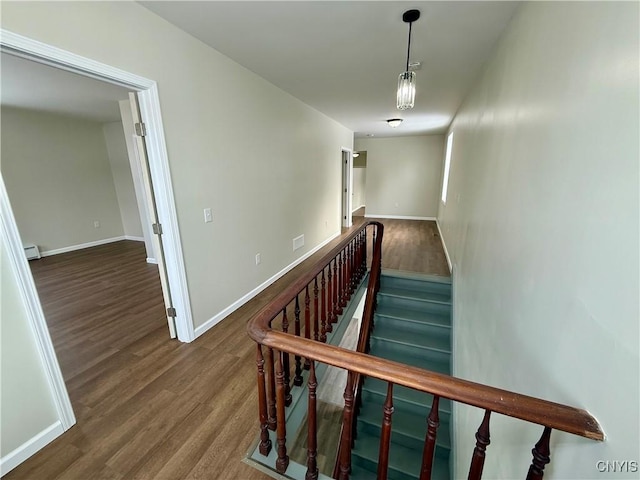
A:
(134, 238)
(398, 217)
(241, 301)
(81, 246)
(14, 458)
(444, 246)
(152, 260)
(358, 208)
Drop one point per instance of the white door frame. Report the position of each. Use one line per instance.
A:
(34, 50)
(346, 198)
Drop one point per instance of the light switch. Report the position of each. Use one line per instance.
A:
(208, 216)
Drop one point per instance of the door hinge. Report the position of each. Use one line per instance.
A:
(141, 129)
(157, 228)
(171, 312)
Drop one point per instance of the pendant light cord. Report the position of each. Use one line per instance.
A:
(409, 46)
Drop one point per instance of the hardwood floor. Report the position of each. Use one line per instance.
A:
(148, 407)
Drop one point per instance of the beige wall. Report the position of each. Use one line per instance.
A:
(58, 176)
(403, 175)
(542, 226)
(233, 140)
(122, 178)
(26, 404)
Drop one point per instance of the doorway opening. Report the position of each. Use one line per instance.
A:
(359, 184)
(164, 220)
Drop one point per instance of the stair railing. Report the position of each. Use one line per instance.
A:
(338, 273)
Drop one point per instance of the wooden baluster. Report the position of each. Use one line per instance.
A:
(354, 271)
(541, 456)
(285, 360)
(340, 282)
(316, 314)
(323, 309)
(265, 441)
(336, 287)
(297, 378)
(282, 462)
(349, 286)
(385, 435)
(307, 322)
(343, 286)
(364, 250)
(345, 446)
(271, 391)
(430, 441)
(330, 305)
(312, 429)
(482, 440)
(359, 257)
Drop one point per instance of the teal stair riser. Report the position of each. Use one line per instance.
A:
(415, 443)
(372, 466)
(393, 301)
(443, 288)
(420, 409)
(419, 355)
(427, 327)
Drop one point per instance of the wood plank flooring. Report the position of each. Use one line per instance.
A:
(148, 407)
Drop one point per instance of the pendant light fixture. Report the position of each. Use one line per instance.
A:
(407, 79)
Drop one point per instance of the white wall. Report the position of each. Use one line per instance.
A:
(28, 407)
(403, 175)
(122, 178)
(359, 187)
(226, 149)
(59, 180)
(542, 226)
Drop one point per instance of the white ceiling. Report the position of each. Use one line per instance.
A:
(341, 57)
(35, 86)
(344, 57)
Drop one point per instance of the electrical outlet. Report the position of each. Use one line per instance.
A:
(96, 224)
(258, 259)
(208, 216)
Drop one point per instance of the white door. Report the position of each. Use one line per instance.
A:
(141, 151)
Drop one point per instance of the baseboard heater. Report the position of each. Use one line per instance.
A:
(32, 252)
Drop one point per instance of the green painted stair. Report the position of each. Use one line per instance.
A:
(412, 326)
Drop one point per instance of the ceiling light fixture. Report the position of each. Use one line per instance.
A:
(394, 122)
(356, 154)
(407, 79)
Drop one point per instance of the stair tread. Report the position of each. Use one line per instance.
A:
(405, 423)
(401, 459)
(406, 394)
(416, 316)
(426, 340)
(415, 295)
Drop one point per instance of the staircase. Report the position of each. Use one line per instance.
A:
(412, 326)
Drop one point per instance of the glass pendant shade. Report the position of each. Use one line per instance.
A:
(406, 90)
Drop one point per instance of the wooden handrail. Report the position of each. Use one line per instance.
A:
(549, 414)
(531, 409)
